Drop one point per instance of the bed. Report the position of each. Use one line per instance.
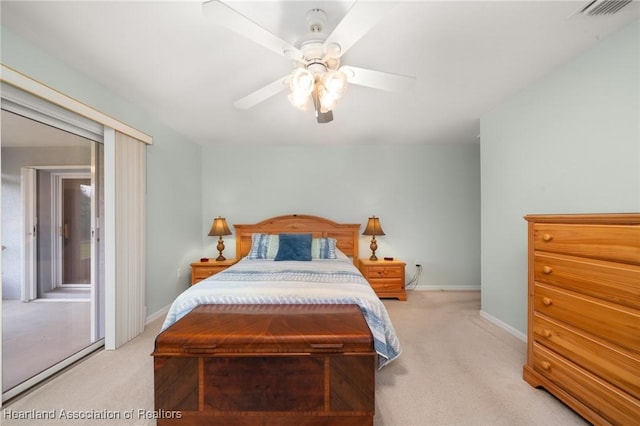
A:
(324, 303)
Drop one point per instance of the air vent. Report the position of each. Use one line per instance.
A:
(601, 7)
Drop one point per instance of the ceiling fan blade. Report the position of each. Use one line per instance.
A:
(263, 94)
(377, 79)
(233, 20)
(362, 16)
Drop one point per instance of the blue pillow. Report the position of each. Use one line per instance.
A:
(294, 247)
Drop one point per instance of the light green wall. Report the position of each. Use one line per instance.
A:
(567, 144)
(426, 195)
(174, 190)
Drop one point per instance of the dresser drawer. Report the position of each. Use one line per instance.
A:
(616, 324)
(615, 282)
(607, 242)
(620, 367)
(608, 401)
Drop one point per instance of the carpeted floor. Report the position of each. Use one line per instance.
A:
(456, 369)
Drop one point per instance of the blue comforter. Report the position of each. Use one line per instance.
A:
(326, 281)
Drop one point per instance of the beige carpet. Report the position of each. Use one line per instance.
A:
(456, 369)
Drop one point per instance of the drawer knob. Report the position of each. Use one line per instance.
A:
(546, 333)
(546, 365)
(547, 237)
(546, 301)
(547, 269)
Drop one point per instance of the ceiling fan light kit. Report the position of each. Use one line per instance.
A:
(317, 77)
(329, 86)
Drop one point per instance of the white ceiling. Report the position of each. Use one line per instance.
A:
(180, 67)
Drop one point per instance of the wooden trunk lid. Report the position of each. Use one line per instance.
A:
(259, 329)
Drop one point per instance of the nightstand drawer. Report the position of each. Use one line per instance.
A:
(382, 285)
(386, 271)
(203, 270)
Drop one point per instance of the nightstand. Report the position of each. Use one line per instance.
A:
(202, 270)
(385, 276)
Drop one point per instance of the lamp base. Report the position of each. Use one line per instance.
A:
(220, 248)
(373, 246)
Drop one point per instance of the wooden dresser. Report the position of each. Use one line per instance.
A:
(584, 313)
(385, 276)
(266, 365)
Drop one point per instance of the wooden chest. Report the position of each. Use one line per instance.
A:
(266, 364)
(584, 313)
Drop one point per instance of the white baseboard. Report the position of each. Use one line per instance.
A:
(444, 288)
(158, 314)
(504, 326)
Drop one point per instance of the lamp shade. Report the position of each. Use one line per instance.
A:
(373, 227)
(219, 227)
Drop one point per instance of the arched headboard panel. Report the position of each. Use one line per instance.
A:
(346, 234)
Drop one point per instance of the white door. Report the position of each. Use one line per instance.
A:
(29, 233)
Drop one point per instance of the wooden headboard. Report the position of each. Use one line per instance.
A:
(345, 234)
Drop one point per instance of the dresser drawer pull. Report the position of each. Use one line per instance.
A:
(547, 269)
(546, 365)
(546, 301)
(546, 333)
(547, 237)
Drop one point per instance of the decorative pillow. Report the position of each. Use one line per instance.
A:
(294, 247)
(263, 246)
(323, 248)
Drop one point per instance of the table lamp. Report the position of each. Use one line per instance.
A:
(373, 228)
(218, 229)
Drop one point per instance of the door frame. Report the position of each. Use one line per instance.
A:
(30, 219)
(56, 230)
(28, 179)
(22, 92)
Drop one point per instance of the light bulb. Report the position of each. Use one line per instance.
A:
(302, 81)
(335, 82)
(328, 100)
(299, 100)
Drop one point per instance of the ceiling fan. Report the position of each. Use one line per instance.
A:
(317, 77)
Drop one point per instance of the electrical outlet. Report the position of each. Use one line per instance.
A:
(417, 263)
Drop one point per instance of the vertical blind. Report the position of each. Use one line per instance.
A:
(130, 186)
